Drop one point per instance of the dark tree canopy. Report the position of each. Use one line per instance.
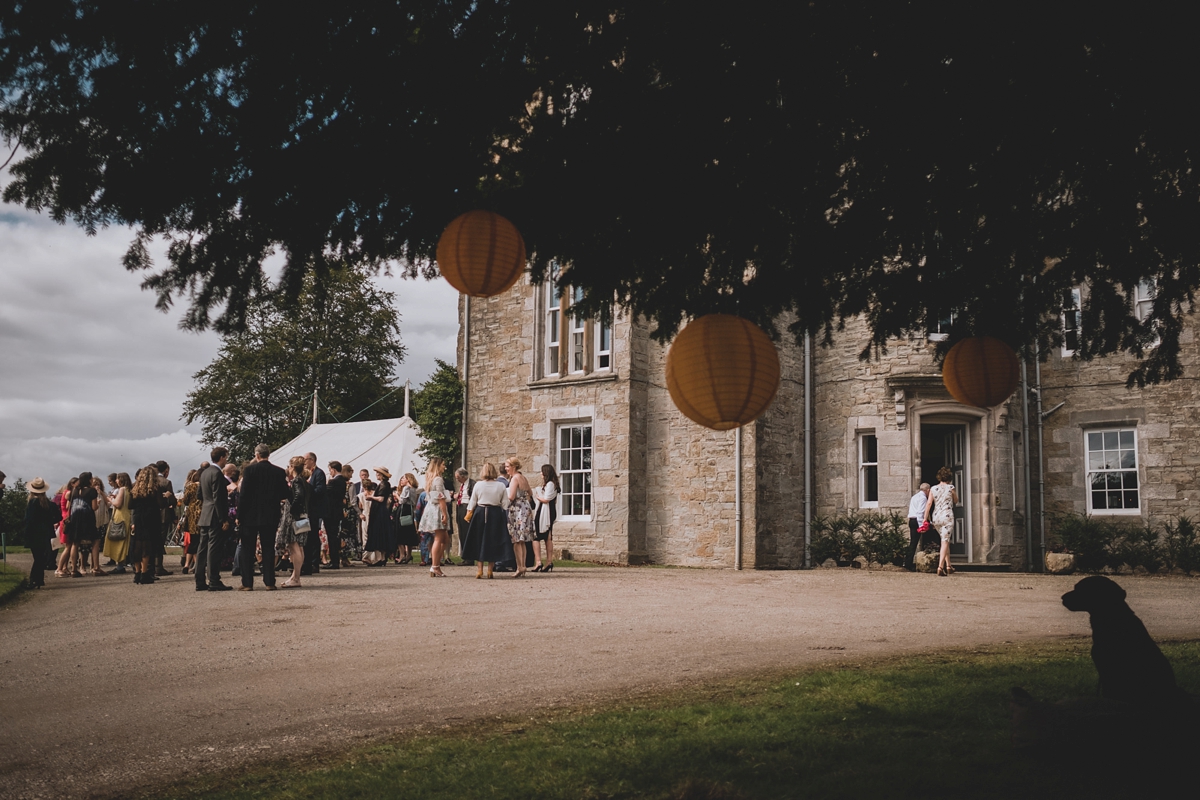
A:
(343, 341)
(828, 159)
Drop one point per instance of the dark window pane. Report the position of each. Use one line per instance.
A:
(1129, 480)
(587, 459)
(1114, 500)
(1126, 440)
(587, 482)
(1096, 460)
(1095, 441)
(1128, 459)
(1131, 499)
(576, 437)
(1098, 480)
(587, 436)
(1098, 500)
(1110, 440)
(870, 450)
(564, 436)
(1113, 480)
(871, 484)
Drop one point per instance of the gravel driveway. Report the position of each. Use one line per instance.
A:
(107, 686)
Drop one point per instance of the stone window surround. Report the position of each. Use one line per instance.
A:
(556, 459)
(591, 336)
(1116, 425)
(547, 433)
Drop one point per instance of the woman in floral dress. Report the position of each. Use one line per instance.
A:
(436, 517)
(520, 512)
(940, 511)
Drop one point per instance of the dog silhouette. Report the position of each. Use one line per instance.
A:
(1132, 669)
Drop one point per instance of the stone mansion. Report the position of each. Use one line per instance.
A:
(642, 483)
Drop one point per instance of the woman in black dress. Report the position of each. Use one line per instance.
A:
(381, 534)
(146, 537)
(488, 531)
(41, 516)
(405, 518)
(81, 520)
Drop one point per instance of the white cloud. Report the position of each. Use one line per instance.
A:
(93, 376)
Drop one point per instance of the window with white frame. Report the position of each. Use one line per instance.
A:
(1112, 473)
(1143, 300)
(603, 345)
(578, 329)
(868, 471)
(575, 470)
(1070, 322)
(553, 320)
(939, 329)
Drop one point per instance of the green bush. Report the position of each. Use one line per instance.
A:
(1180, 548)
(1088, 538)
(1137, 546)
(12, 513)
(880, 538)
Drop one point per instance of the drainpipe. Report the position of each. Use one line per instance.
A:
(808, 434)
(1037, 377)
(1028, 477)
(407, 397)
(737, 498)
(466, 375)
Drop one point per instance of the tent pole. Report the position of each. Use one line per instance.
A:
(314, 407)
(407, 391)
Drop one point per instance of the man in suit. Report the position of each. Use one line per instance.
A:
(264, 487)
(167, 503)
(335, 509)
(317, 510)
(214, 522)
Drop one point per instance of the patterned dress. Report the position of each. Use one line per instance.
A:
(432, 520)
(520, 518)
(943, 509)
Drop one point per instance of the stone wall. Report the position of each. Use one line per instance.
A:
(1166, 418)
(779, 460)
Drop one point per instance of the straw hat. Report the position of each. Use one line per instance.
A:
(36, 486)
(383, 471)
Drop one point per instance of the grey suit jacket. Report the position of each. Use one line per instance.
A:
(214, 497)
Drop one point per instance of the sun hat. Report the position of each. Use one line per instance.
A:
(383, 471)
(36, 486)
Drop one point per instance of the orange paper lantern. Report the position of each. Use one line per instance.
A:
(481, 254)
(981, 371)
(722, 371)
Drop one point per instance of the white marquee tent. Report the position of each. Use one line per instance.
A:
(390, 443)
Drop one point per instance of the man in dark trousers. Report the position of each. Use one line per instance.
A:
(167, 503)
(214, 522)
(264, 487)
(335, 509)
(317, 510)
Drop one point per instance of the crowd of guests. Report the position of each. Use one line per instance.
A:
(262, 519)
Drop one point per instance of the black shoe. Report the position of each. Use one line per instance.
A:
(119, 569)
(220, 587)
(201, 587)
(110, 563)
(305, 571)
(161, 571)
(334, 566)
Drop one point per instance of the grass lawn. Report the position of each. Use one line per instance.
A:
(928, 727)
(11, 581)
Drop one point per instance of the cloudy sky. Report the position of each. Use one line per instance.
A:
(93, 377)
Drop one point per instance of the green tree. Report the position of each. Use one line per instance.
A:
(341, 339)
(437, 407)
(12, 512)
(824, 159)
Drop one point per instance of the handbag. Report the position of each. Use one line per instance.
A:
(406, 519)
(116, 530)
(301, 526)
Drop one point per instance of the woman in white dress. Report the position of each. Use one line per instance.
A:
(547, 511)
(436, 519)
(940, 511)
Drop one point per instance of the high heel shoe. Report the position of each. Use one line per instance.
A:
(538, 568)
(490, 571)
(548, 568)
(479, 572)
(941, 572)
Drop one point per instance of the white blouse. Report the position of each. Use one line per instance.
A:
(545, 495)
(489, 493)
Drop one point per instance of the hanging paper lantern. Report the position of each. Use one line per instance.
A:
(981, 371)
(722, 371)
(481, 254)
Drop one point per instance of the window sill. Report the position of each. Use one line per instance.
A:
(563, 518)
(1115, 512)
(573, 380)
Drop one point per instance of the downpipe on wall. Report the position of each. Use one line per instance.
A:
(737, 498)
